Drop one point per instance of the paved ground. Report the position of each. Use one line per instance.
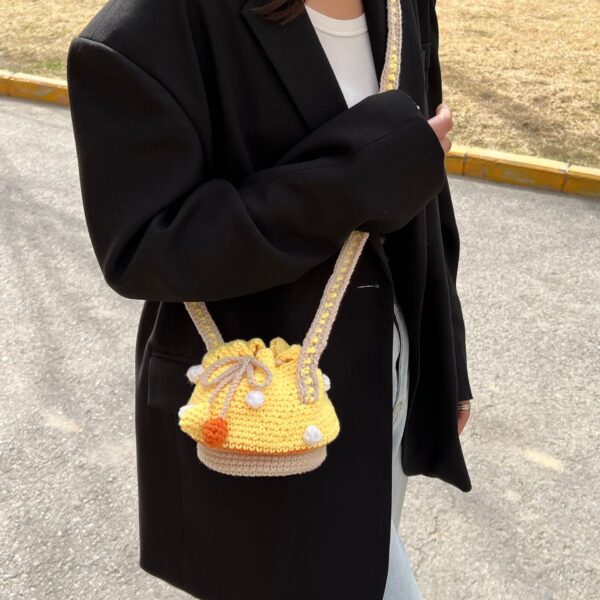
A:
(529, 283)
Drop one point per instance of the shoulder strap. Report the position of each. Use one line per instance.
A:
(318, 334)
(316, 339)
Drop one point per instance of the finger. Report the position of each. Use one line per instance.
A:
(441, 123)
(446, 143)
(443, 107)
(463, 417)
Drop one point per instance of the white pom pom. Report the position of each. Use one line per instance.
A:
(312, 435)
(184, 409)
(326, 383)
(194, 372)
(255, 399)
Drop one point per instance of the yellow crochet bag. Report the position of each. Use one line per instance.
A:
(263, 410)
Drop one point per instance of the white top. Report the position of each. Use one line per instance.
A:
(346, 44)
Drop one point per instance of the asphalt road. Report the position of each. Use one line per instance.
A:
(529, 281)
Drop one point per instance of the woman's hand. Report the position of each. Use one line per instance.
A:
(463, 415)
(442, 124)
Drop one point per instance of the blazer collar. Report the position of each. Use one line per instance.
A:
(300, 61)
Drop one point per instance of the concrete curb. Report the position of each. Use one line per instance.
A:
(34, 87)
(527, 171)
(491, 165)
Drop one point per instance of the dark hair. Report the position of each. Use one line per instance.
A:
(280, 11)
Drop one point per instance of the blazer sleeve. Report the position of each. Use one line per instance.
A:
(450, 233)
(163, 229)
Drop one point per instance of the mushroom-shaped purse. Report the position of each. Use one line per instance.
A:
(264, 410)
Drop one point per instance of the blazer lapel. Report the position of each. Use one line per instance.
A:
(375, 13)
(301, 63)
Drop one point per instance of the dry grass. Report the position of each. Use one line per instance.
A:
(34, 34)
(522, 76)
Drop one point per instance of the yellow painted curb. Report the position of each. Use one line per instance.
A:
(4, 77)
(528, 171)
(34, 87)
(583, 181)
(491, 165)
(455, 160)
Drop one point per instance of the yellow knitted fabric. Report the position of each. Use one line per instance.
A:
(278, 422)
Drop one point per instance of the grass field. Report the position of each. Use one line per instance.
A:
(520, 75)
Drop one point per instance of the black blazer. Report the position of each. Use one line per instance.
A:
(218, 161)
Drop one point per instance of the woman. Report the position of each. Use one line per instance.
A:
(220, 162)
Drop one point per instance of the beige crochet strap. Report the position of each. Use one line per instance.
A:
(316, 339)
(205, 324)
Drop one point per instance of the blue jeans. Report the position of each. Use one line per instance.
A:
(401, 583)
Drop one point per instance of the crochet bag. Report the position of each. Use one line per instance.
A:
(263, 410)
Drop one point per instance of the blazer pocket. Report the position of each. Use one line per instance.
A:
(168, 386)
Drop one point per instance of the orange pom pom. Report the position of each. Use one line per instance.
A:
(214, 432)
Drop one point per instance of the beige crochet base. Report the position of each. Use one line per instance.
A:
(260, 465)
